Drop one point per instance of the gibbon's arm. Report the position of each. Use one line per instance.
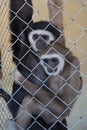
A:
(45, 97)
(42, 95)
(5, 95)
(55, 12)
(55, 8)
(21, 12)
(28, 103)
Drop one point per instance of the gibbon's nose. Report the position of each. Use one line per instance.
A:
(41, 44)
(51, 62)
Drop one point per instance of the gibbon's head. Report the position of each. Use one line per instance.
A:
(42, 34)
(53, 59)
(53, 64)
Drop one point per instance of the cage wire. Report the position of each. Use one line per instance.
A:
(75, 30)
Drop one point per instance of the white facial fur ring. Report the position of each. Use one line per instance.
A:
(59, 67)
(39, 32)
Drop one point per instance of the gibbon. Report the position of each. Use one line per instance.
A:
(57, 95)
(64, 81)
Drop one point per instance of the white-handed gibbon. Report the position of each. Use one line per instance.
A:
(64, 83)
(58, 93)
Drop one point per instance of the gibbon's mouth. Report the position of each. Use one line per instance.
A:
(51, 71)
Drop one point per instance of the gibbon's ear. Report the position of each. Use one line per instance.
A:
(55, 13)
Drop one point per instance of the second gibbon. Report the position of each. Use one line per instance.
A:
(64, 81)
(56, 97)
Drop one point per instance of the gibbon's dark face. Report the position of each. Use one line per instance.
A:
(39, 39)
(53, 64)
(42, 34)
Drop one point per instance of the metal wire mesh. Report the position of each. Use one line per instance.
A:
(75, 30)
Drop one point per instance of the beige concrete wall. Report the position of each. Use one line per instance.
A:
(75, 28)
(75, 21)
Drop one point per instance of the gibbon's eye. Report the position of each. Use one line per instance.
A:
(45, 37)
(45, 61)
(35, 36)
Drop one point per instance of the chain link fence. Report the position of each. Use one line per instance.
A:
(75, 31)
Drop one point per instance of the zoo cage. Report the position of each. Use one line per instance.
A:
(75, 32)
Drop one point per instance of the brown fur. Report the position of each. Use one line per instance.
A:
(55, 8)
(55, 12)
